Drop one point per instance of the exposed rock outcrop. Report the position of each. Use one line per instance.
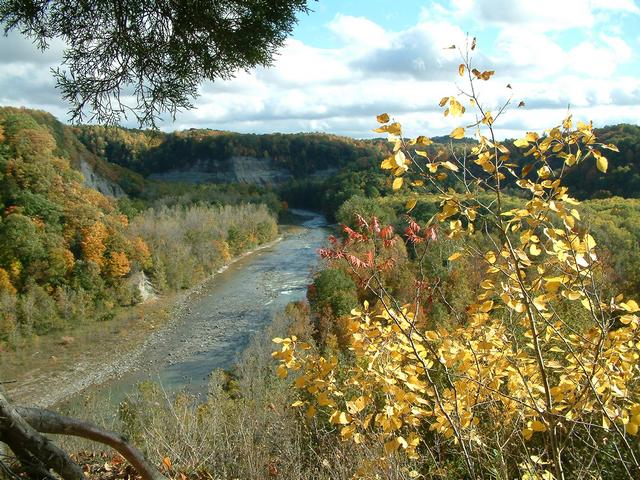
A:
(94, 180)
(252, 170)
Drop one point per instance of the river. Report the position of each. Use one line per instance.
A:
(218, 324)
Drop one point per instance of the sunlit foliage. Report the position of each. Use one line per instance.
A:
(538, 377)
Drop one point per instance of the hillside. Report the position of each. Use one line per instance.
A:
(106, 177)
(59, 238)
(200, 156)
(71, 253)
(623, 177)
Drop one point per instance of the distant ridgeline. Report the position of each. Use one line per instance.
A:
(299, 164)
(201, 156)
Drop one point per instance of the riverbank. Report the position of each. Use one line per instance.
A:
(61, 367)
(216, 328)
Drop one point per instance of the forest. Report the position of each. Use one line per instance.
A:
(68, 253)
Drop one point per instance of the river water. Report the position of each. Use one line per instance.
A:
(236, 304)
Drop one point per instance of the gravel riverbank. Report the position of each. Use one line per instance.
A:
(102, 363)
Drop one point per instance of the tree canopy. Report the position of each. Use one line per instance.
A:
(146, 58)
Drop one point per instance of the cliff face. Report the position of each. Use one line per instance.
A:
(94, 180)
(252, 170)
(234, 170)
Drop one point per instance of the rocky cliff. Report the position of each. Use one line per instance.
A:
(234, 170)
(96, 181)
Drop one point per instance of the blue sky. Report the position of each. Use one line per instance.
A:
(350, 60)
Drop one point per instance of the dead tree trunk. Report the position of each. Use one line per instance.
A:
(22, 428)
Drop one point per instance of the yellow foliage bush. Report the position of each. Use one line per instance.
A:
(517, 377)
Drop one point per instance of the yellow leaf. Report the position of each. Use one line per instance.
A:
(411, 204)
(575, 214)
(443, 101)
(602, 163)
(324, 400)
(487, 284)
(399, 159)
(630, 306)
(282, 371)
(486, 75)
(397, 183)
(486, 306)
(431, 335)
(457, 133)
(392, 445)
(519, 307)
(347, 432)
(490, 257)
(450, 166)
(461, 69)
(166, 461)
(387, 163)
(357, 405)
(456, 109)
(383, 118)
(454, 256)
(538, 426)
(297, 403)
(340, 418)
(422, 140)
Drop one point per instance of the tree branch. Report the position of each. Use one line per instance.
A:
(46, 421)
(29, 445)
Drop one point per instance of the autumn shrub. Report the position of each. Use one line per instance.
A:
(538, 376)
(244, 428)
(8, 318)
(365, 207)
(37, 312)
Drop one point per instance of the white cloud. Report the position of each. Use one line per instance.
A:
(541, 15)
(599, 60)
(358, 31)
(532, 54)
(419, 51)
(404, 73)
(628, 6)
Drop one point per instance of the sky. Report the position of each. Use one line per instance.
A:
(350, 60)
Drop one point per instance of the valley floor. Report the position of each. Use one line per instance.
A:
(52, 369)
